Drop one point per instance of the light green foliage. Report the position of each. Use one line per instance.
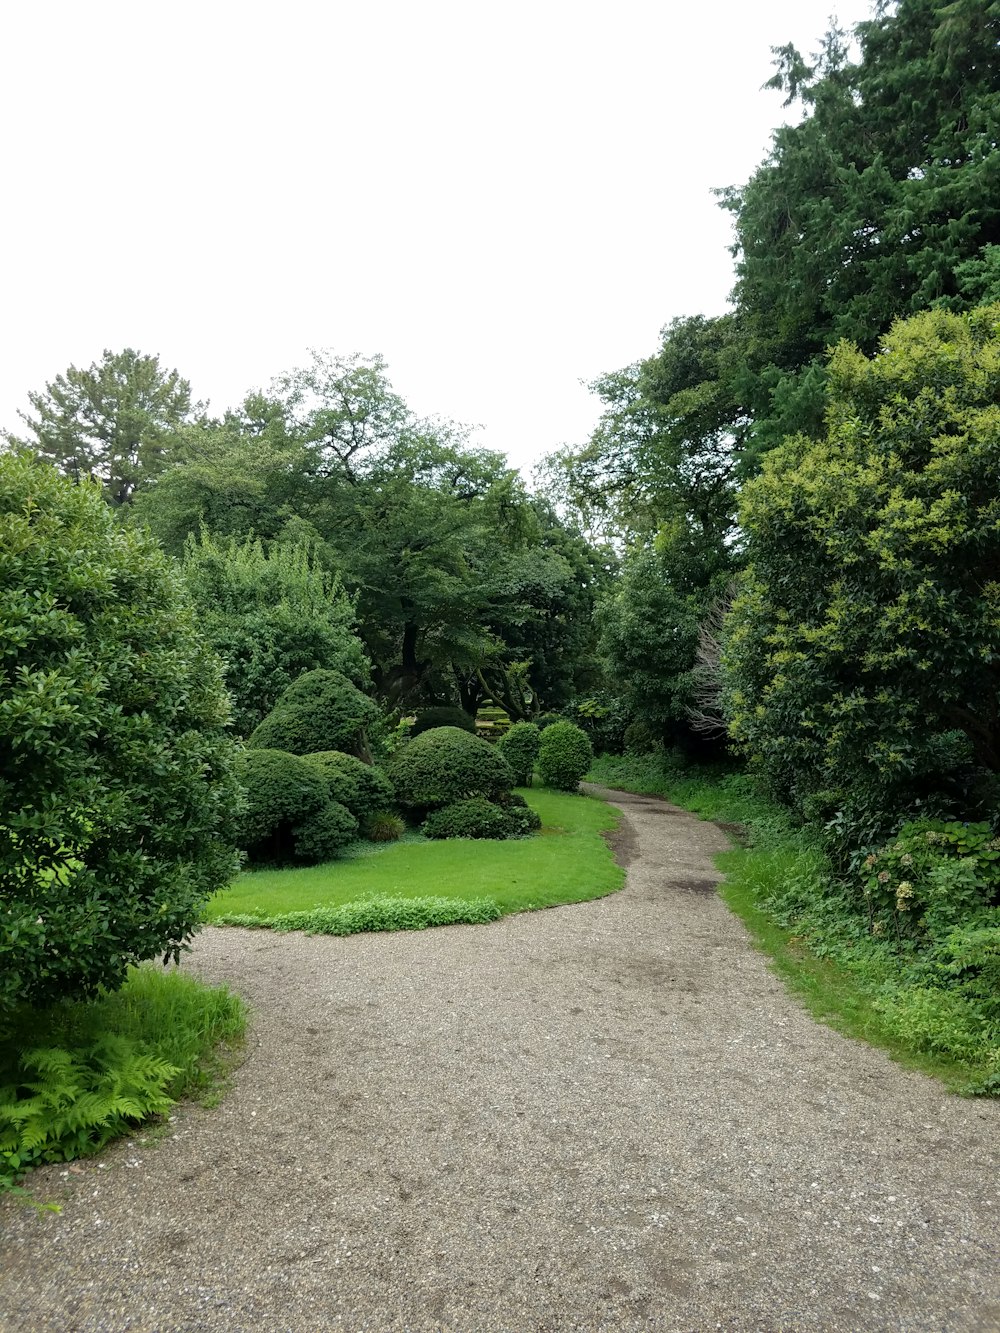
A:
(378, 913)
(117, 776)
(362, 788)
(271, 614)
(77, 1075)
(861, 654)
(475, 817)
(519, 746)
(564, 756)
(321, 710)
(324, 833)
(113, 421)
(446, 765)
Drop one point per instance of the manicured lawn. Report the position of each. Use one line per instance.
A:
(568, 861)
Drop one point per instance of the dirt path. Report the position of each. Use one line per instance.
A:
(607, 1116)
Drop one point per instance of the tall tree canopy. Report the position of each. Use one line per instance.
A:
(112, 421)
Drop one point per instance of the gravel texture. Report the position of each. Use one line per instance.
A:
(607, 1116)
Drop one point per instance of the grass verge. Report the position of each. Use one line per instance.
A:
(568, 861)
(808, 923)
(79, 1074)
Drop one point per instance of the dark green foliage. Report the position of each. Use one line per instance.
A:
(324, 833)
(428, 718)
(641, 738)
(117, 778)
(447, 765)
(383, 827)
(271, 614)
(472, 818)
(361, 787)
(377, 913)
(519, 746)
(113, 421)
(544, 720)
(862, 649)
(564, 756)
(604, 717)
(322, 710)
(282, 791)
(522, 820)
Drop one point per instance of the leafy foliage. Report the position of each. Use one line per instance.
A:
(324, 833)
(117, 777)
(863, 646)
(428, 718)
(321, 710)
(519, 746)
(564, 756)
(271, 614)
(282, 792)
(362, 788)
(474, 817)
(446, 765)
(377, 913)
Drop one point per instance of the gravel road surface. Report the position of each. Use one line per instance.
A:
(607, 1116)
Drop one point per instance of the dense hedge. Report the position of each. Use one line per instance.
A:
(322, 710)
(321, 835)
(472, 818)
(362, 788)
(519, 746)
(564, 756)
(282, 791)
(446, 765)
(117, 775)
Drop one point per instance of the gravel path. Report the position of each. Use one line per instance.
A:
(608, 1116)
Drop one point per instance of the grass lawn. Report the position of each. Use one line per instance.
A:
(567, 862)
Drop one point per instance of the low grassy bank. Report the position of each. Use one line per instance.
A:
(817, 934)
(568, 861)
(77, 1075)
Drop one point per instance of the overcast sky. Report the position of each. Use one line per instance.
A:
(503, 200)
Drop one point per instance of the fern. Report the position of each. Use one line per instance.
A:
(56, 1105)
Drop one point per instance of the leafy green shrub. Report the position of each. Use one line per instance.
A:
(383, 827)
(564, 756)
(519, 746)
(474, 817)
(324, 833)
(320, 711)
(446, 765)
(378, 913)
(282, 791)
(429, 718)
(117, 776)
(361, 787)
(932, 877)
(521, 818)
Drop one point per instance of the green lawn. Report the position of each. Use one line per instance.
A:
(567, 862)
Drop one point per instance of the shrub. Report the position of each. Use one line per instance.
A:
(471, 818)
(282, 791)
(383, 827)
(519, 746)
(378, 913)
(429, 718)
(324, 833)
(521, 817)
(362, 788)
(446, 765)
(641, 738)
(564, 756)
(117, 776)
(320, 711)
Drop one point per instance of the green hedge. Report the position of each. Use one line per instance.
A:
(445, 765)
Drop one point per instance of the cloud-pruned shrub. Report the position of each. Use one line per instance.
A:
(322, 710)
(289, 814)
(361, 787)
(446, 765)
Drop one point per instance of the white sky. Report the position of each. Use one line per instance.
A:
(502, 199)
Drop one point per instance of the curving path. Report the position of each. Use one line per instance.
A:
(601, 1117)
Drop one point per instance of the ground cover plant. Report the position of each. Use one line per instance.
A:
(929, 997)
(569, 861)
(78, 1074)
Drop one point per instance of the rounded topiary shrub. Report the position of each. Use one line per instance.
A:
(446, 765)
(362, 788)
(322, 710)
(324, 833)
(445, 716)
(117, 774)
(282, 792)
(564, 756)
(472, 818)
(519, 746)
(523, 820)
